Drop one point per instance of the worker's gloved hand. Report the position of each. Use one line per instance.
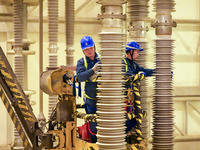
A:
(95, 67)
(94, 76)
(142, 73)
(153, 71)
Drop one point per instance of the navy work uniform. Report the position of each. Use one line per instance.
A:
(83, 72)
(131, 69)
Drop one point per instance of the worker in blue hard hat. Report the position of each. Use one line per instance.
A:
(85, 70)
(132, 53)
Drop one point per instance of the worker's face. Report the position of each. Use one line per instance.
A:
(89, 52)
(135, 54)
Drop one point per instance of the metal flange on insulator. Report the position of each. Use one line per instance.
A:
(163, 23)
(25, 47)
(111, 15)
(137, 10)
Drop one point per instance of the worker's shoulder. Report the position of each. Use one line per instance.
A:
(80, 61)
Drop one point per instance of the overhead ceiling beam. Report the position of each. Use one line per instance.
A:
(32, 9)
(60, 20)
(82, 6)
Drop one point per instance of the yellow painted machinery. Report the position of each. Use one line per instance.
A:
(62, 126)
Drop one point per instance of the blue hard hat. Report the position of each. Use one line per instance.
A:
(86, 42)
(133, 45)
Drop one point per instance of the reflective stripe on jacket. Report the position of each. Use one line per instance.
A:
(83, 73)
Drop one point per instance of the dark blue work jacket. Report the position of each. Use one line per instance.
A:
(84, 71)
(133, 68)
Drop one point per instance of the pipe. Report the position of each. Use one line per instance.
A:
(31, 19)
(41, 51)
(187, 138)
(110, 104)
(69, 32)
(163, 112)
(186, 118)
(41, 117)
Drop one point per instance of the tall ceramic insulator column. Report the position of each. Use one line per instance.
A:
(18, 57)
(53, 36)
(69, 14)
(18, 38)
(163, 112)
(110, 103)
(138, 12)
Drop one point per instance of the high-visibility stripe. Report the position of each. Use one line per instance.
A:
(138, 102)
(10, 112)
(3, 97)
(126, 64)
(135, 88)
(23, 106)
(2, 64)
(14, 120)
(7, 104)
(85, 63)
(6, 74)
(135, 77)
(142, 76)
(138, 131)
(86, 67)
(141, 115)
(137, 93)
(89, 97)
(26, 143)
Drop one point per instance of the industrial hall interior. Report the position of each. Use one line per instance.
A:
(99, 74)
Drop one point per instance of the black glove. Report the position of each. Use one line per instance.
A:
(65, 78)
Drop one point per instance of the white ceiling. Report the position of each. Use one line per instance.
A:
(86, 12)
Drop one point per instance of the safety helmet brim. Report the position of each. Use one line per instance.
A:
(88, 46)
(128, 48)
(132, 46)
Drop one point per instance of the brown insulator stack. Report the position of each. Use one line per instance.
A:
(69, 14)
(18, 41)
(138, 12)
(53, 36)
(110, 104)
(163, 112)
(18, 48)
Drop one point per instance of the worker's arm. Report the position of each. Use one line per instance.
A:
(148, 72)
(81, 72)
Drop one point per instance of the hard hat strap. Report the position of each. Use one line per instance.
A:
(131, 53)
